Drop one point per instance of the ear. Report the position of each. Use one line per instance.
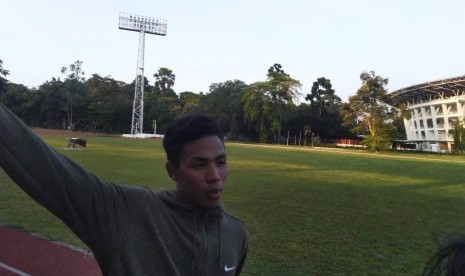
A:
(172, 171)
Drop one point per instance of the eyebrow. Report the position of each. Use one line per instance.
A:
(200, 158)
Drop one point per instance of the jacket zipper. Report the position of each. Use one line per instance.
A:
(205, 244)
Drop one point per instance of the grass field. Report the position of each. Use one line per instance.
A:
(308, 211)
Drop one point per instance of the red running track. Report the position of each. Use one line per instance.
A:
(24, 254)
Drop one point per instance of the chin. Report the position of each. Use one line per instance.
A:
(210, 206)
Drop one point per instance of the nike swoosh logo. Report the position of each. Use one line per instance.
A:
(227, 269)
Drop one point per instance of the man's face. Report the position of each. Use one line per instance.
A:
(202, 171)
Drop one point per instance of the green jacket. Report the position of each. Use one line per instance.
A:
(130, 230)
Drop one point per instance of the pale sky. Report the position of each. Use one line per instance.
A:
(409, 42)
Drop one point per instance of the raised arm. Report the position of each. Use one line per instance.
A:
(90, 207)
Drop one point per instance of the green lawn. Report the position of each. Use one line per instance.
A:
(308, 211)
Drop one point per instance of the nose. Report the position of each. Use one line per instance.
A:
(213, 174)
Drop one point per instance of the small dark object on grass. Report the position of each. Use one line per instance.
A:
(72, 142)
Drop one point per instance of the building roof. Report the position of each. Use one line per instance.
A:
(429, 90)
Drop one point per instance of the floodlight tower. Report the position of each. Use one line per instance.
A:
(141, 24)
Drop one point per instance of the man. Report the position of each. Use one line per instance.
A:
(132, 230)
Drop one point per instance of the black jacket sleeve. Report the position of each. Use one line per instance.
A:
(98, 212)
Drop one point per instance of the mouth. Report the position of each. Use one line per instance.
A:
(214, 194)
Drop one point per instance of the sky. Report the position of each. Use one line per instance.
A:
(408, 42)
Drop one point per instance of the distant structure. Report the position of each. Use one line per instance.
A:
(434, 107)
(143, 25)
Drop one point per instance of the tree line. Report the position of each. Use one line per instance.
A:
(267, 111)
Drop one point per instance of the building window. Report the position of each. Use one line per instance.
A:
(429, 123)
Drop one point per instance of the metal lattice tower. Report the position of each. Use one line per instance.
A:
(143, 25)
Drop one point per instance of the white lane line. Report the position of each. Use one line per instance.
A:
(14, 270)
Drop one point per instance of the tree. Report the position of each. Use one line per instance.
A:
(225, 105)
(190, 102)
(266, 104)
(325, 104)
(307, 133)
(458, 133)
(109, 109)
(3, 74)
(164, 80)
(162, 107)
(368, 112)
(14, 97)
(284, 91)
(398, 122)
(256, 104)
(322, 95)
(75, 71)
(51, 104)
(74, 89)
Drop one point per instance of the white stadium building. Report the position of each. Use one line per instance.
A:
(434, 107)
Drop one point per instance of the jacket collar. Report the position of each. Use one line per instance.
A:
(172, 199)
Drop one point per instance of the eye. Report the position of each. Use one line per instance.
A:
(198, 165)
(221, 162)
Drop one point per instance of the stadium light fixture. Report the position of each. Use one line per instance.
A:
(143, 25)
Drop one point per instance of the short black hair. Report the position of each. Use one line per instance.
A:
(187, 129)
(449, 259)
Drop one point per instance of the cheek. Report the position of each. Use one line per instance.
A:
(192, 178)
(224, 174)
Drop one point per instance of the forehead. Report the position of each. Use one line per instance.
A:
(205, 147)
